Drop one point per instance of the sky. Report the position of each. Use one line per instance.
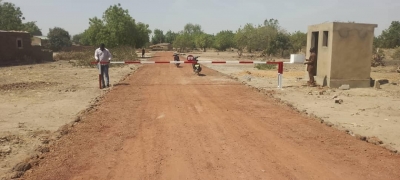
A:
(212, 15)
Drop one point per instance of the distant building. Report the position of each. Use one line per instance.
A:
(16, 48)
(161, 47)
(40, 41)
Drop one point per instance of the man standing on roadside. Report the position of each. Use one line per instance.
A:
(143, 51)
(311, 67)
(103, 58)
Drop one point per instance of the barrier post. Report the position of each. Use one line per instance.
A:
(280, 72)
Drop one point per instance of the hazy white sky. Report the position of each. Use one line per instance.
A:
(212, 15)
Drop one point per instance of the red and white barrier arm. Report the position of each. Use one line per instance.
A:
(188, 62)
(279, 64)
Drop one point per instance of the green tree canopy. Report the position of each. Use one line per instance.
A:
(281, 42)
(224, 40)
(58, 38)
(298, 40)
(158, 37)
(10, 17)
(77, 38)
(116, 28)
(32, 28)
(170, 36)
(183, 41)
(390, 38)
(204, 41)
(186, 39)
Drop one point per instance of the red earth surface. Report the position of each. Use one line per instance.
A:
(164, 122)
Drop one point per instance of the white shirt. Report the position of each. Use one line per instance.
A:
(103, 56)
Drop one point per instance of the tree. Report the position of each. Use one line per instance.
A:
(390, 38)
(77, 38)
(204, 41)
(186, 39)
(224, 40)
(116, 28)
(96, 33)
(192, 29)
(247, 38)
(58, 38)
(10, 17)
(274, 23)
(32, 28)
(142, 35)
(183, 41)
(298, 40)
(240, 41)
(279, 43)
(170, 36)
(264, 35)
(119, 27)
(158, 37)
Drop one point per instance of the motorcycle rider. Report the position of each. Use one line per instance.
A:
(194, 64)
(176, 57)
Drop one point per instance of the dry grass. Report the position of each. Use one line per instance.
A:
(84, 58)
(396, 54)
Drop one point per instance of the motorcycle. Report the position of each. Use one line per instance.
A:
(196, 66)
(176, 58)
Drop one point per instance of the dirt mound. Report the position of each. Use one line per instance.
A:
(26, 85)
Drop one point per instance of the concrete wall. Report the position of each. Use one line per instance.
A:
(12, 55)
(324, 54)
(352, 52)
(347, 57)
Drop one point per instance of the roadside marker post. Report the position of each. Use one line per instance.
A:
(279, 64)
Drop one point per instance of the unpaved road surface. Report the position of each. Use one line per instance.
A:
(164, 122)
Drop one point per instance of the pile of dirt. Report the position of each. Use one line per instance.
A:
(26, 85)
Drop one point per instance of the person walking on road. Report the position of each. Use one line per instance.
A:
(103, 58)
(311, 67)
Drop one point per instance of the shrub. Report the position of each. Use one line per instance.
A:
(396, 54)
(377, 58)
(265, 66)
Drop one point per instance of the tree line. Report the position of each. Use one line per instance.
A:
(269, 37)
(117, 28)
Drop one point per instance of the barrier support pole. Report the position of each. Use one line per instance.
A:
(280, 72)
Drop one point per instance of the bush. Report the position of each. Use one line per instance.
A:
(265, 66)
(377, 58)
(85, 58)
(396, 54)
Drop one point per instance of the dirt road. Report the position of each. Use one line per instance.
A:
(164, 122)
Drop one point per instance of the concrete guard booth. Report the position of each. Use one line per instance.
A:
(344, 52)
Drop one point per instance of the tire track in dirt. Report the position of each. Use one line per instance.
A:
(167, 123)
